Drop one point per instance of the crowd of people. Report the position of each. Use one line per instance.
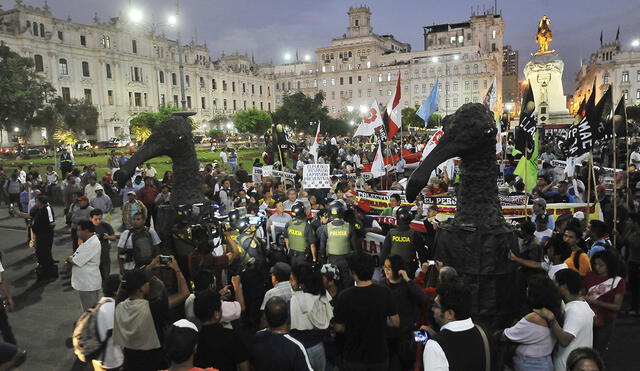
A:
(284, 283)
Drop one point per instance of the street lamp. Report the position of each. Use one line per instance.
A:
(352, 123)
(172, 20)
(349, 108)
(135, 15)
(16, 129)
(635, 43)
(307, 57)
(287, 57)
(229, 125)
(363, 109)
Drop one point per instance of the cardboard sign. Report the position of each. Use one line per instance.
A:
(316, 176)
(256, 176)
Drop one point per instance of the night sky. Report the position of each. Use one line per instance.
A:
(272, 28)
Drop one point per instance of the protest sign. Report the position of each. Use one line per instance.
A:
(316, 176)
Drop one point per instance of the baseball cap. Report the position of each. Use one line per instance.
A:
(281, 269)
(541, 202)
(133, 279)
(183, 323)
(99, 187)
(131, 193)
(83, 198)
(579, 215)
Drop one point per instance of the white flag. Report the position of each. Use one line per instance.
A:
(371, 122)
(316, 142)
(377, 168)
(431, 144)
(499, 137)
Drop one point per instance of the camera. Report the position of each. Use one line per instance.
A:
(164, 259)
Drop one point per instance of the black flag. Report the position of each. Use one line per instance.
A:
(602, 117)
(618, 34)
(527, 127)
(600, 38)
(579, 139)
(620, 119)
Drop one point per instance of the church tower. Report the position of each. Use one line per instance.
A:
(359, 22)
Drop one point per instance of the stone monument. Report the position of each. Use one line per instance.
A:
(544, 73)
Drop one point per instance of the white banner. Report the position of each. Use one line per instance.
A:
(266, 170)
(256, 177)
(316, 176)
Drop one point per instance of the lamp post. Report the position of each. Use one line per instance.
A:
(635, 43)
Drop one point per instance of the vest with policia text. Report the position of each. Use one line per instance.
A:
(338, 239)
(402, 244)
(295, 232)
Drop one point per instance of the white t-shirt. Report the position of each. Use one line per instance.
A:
(543, 236)
(578, 321)
(635, 158)
(553, 269)
(113, 356)
(223, 156)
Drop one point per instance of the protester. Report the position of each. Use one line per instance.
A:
(111, 357)
(578, 261)
(85, 265)
(103, 202)
(105, 234)
(130, 208)
(137, 245)
(585, 359)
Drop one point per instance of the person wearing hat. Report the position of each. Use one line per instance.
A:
(80, 210)
(135, 328)
(130, 208)
(404, 242)
(299, 236)
(539, 208)
(90, 188)
(542, 231)
(102, 201)
(337, 239)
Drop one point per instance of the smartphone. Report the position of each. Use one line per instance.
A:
(164, 259)
(431, 262)
(420, 336)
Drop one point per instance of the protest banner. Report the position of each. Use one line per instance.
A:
(316, 176)
(256, 176)
(266, 170)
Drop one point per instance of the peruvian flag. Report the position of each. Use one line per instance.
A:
(316, 143)
(394, 111)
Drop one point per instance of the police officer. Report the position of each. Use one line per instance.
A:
(337, 239)
(299, 236)
(404, 241)
(252, 266)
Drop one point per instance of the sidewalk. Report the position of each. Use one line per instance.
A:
(12, 222)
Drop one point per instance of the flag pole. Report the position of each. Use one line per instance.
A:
(615, 190)
(589, 186)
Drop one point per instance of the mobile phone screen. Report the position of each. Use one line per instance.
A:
(420, 336)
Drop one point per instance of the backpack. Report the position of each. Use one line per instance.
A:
(85, 337)
(142, 246)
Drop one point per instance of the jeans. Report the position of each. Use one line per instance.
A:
(634, 284)
(317, 357)
(233, 166)
(602, 335)
(523, 363)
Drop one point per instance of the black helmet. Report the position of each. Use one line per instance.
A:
(321, 213)
(298, 211)
(243, 225)
(336, 210)
(234, 218)
(404, 216)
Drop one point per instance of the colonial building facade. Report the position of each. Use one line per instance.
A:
(611, 65)
(362, 66)
(124, 69)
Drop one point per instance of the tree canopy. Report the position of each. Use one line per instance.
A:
(23, 91)
(142, 124)
(409, 118)
(299, 111)
(253, 121)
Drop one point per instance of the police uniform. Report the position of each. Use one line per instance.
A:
(254, 278)
(404, 242)
(337, 239)
(300, 235)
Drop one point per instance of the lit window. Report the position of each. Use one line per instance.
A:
(63, 67)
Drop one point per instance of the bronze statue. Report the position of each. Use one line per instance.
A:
(544, 36)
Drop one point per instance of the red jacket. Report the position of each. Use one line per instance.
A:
(148, 195)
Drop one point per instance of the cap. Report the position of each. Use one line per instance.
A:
(579, 215)
(281, 268)
(99, 187)
(183, 323)
(440, 218)
(83, 198)
(131, 193)
(133, 279)
(541, 202)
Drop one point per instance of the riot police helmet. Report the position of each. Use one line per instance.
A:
(298, 211)
(336, 210)
(404, 216)
(234, 218)
(243, 225)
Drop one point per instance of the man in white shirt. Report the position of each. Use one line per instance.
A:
(460, 344)
(85, 265)
(112, 356)
(150, 171)
(634, 158)
(223, 158)
(577, 330)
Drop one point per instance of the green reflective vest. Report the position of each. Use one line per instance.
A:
(402, 244)
(297, 239)
(338, 239)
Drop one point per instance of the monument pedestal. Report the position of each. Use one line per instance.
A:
(544, 73)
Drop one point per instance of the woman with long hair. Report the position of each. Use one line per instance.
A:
(310, 311)
(605, 292)
(532, 333)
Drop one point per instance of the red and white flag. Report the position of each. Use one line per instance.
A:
(449, 164)
(377, 167)
(316, 143)
(394, 111)
(371, 122)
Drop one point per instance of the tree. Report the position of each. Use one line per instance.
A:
(633, 113)
(434, 121)
(78, 115)
(410, 118)
(298, 111)
(23, 91)
(65, 136)
(253, 121)
(144, 122)
(332, 126)
(216, 134)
